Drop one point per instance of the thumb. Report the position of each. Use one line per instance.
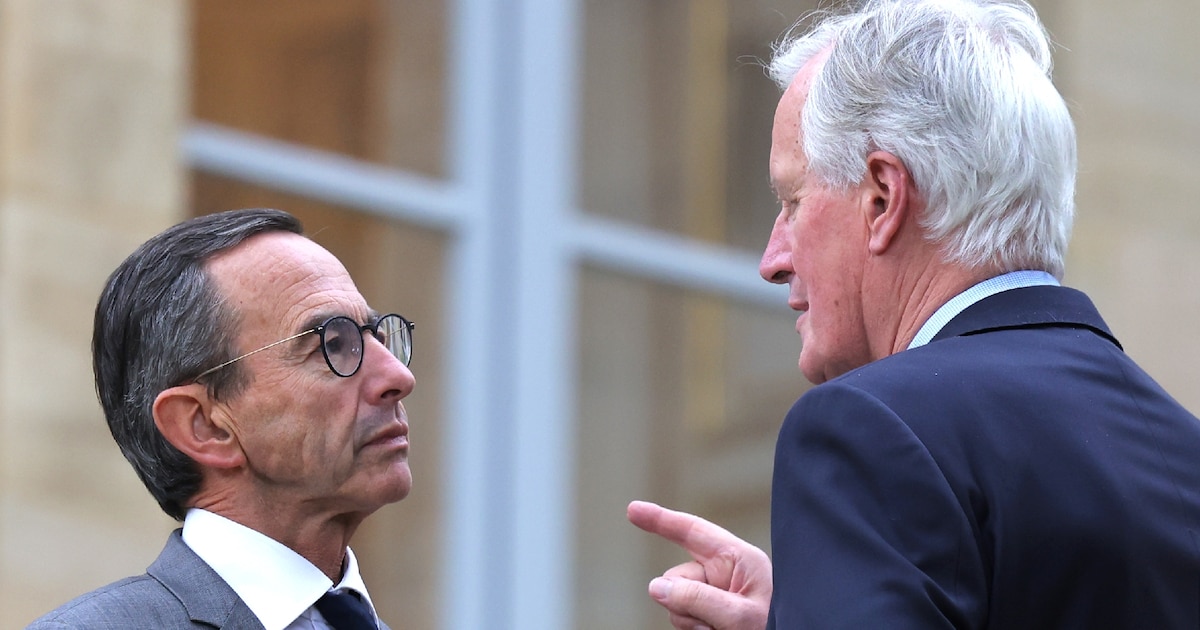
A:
(694, 600)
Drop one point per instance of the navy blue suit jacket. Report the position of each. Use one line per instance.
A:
(1019, 471)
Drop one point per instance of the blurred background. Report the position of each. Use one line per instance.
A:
(568, 197)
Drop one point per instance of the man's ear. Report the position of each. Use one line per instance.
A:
(888, 199)
(194, 423)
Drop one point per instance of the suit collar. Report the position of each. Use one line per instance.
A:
(207, 598)
(1028, 308)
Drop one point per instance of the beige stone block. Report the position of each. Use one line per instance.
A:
(74, 514)
(94, 102)
(51, 271)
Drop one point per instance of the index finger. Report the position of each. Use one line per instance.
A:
(701, 538)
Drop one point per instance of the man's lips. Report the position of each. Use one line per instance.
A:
(393, 434)
(800, 306)
(797, 297)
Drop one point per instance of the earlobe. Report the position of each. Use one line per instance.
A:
(190, 420)
(889, 189)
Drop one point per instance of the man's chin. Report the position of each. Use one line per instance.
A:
(812, 370)
(394, 486)
(401, 485)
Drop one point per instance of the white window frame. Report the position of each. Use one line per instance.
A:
(516, 244)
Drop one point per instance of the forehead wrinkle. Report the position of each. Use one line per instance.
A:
(280, 280)
(318, 296)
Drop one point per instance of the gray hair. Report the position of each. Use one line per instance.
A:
(160, 321)
(960, 90)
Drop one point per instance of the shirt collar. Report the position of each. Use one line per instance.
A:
(280, 584)
(987, 288)
(352, 580)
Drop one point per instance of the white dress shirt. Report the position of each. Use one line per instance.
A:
(277, 584)
(987, 288)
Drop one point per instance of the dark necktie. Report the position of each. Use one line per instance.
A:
(345, 611)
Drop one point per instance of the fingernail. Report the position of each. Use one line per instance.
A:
(660, 588)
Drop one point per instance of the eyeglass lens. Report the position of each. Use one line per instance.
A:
(342, 341)
(395, 333)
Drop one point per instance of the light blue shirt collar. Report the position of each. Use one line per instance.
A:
(987, 288)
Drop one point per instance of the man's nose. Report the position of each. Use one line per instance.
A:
(390, 377)
(776, 263)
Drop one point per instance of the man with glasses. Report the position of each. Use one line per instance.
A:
(259, 398)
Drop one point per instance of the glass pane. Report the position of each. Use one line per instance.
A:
(677, 114)
(680, 400)
(364, 78)
(397, 268)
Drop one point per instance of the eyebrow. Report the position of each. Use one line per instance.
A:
(322, 317)
(301, 337)
(313, 321)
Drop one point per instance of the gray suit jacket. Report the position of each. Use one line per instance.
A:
(179, 590)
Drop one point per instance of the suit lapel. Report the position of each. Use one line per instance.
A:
(1028, 307)
(207, 598)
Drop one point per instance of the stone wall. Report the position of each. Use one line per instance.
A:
(92, 99)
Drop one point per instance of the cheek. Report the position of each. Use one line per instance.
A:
(834, 319)
(328, 425)
(811, 250)
(307, 428)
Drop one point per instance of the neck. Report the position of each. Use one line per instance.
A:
(911, 294)
(320, 537)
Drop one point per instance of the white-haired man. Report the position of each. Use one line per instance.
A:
(979, 452)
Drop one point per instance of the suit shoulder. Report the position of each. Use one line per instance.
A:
(958, 364)
(133, 602)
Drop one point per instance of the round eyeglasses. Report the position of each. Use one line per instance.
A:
(342, 342)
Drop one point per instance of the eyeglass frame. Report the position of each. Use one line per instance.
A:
(320, 330)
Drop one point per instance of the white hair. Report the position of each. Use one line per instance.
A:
(960, 91)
